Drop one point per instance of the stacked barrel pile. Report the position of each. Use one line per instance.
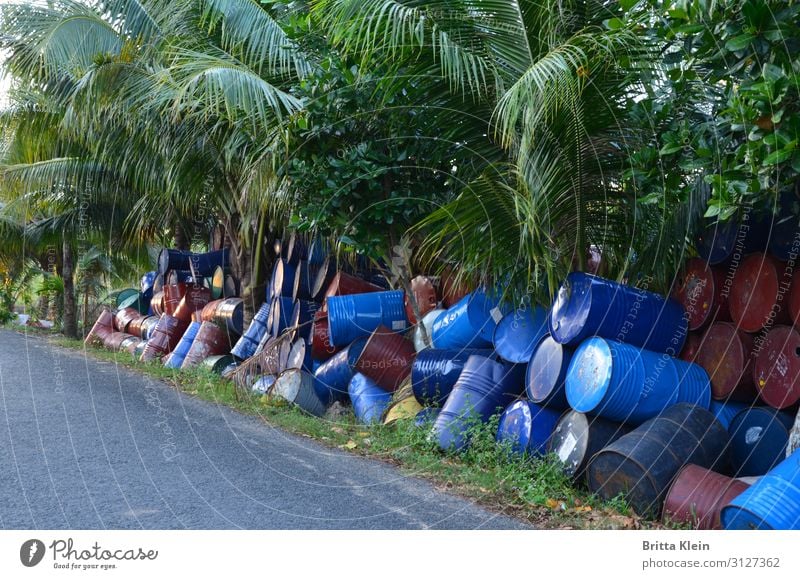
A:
(184, 314)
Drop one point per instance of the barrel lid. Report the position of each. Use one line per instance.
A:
(125, 295)
(546, 370)
(696, 291)
(518, 333)
(570, 310)
(427, 322)
(758, 440)
(217, 283)
(777, 368)
(515, 426)
(321, 277)
(717, 240)
(725, 356)
(264, 384)
(754, 292)
(570, 440)
(589, 374)
(297, 355)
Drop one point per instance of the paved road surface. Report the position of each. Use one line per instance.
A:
(87, 444)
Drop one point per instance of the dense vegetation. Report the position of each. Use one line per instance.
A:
(504, 137)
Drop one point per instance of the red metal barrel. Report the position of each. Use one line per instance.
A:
(157, 303)
(697, 496)
(386, 358)
(345, 284)
(114, 340)
(209, 310)
(726, 354)
(700, 292)
(777, 367)
(173, 294)
(691, 346)
(757, 293)
(321, 347)
(166, 335)
(135, 327)
(103, 326)
(794, 299)
(426, 296)
(124, 317)
(211, 340)
(195, 298)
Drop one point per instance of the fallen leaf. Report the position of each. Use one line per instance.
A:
(350, 444)
(584, 509)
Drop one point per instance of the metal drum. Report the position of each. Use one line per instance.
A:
(175, 359)
(784, 236)
(210, 340)
(725, 411)
(453, 291)
(358, 315)
(283, 274)
(280, 314)
(697, 496)
(124, 295)
(344, 284)
(756, 295)
(318, 251)
(130, 344)
(148, 326)
(435, 372)
(325, 274)
(146, 284)
(246, 345)
(794, 299)
(622, 383)
(219, 363)
(297, 387)
(777, 367)
(588, 305)
(137, 302)
(470, 323)
(157, 303)
(165, 336)
(426, 417)
(124, 317)
(758, 440)
(547, 373)
(641, 464)
(217, 283)
(518, 333)
(386, 358)
(103, 326)
(485, 387)
(296, 249)
(114, 340)
(229, 315)
(717, 241)
(194, 300)
(321, 347)
(369, 400)
(726, 354)
(425, 295)
(203, 264)
(304, 276)
(526, 427)
(702, 293)
(425, 325)
(303, 316)
(264, 384)
(300, 357)
(333, 376)
(173, 294)
(772, 502)
(691, 347)
(578, 437)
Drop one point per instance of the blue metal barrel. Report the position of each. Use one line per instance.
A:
(304, 276)
(527, 427)
(694, 385)
(175, 359)
(280, 314)
(303, 316)
(641, 464)
(358, 315)
(469, 323)
(369, 400)
(484, 388)
(426, 416)
(146, 285)
(725, 411)
(758, 440)
(783, 242)
(318, 250)
(283, 274)
(620, 382)
(578, 437)
(588, 305)
(518, 333)
(333, 376)
(547, 373)
(296, 249)
(716, 242)
(246, 345)
(203, 263)
(772, 502)
(435, 372)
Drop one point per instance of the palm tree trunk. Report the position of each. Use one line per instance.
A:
(70, 325)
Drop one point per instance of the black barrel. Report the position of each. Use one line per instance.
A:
(642, 464)
(578, 437)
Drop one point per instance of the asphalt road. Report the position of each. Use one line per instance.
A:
(86, 444)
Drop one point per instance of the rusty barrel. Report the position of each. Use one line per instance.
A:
(166, 335)
(588, 305)
(157, 303)
(759, 437)
(124, 317)
(136, 325)
(485, 387)
(578, 437)
(386, 358)
(227, 313)
(425, 294)
(794, 299)
(211, 340)
(195, 299)
(726, 354)
(344, 284)
(546, 374)
(453, 291)
(173, 294)
(701, 292)
(103, 326)
(756, 297)
(691, 347)
(148, 326)
(114, 340)
(772, 502)
(697, 496)
(321, 347)
(297, 387)
(777, 367)
(641, 464)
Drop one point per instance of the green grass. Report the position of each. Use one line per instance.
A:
(532, 489)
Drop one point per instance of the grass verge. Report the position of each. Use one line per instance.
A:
(532, 489)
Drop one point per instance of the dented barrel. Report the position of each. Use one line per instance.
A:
(519, 332)
(435, 372)
(369, 400)
(386, 358)
(697, 496)
(175, 359)
(526, 427)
